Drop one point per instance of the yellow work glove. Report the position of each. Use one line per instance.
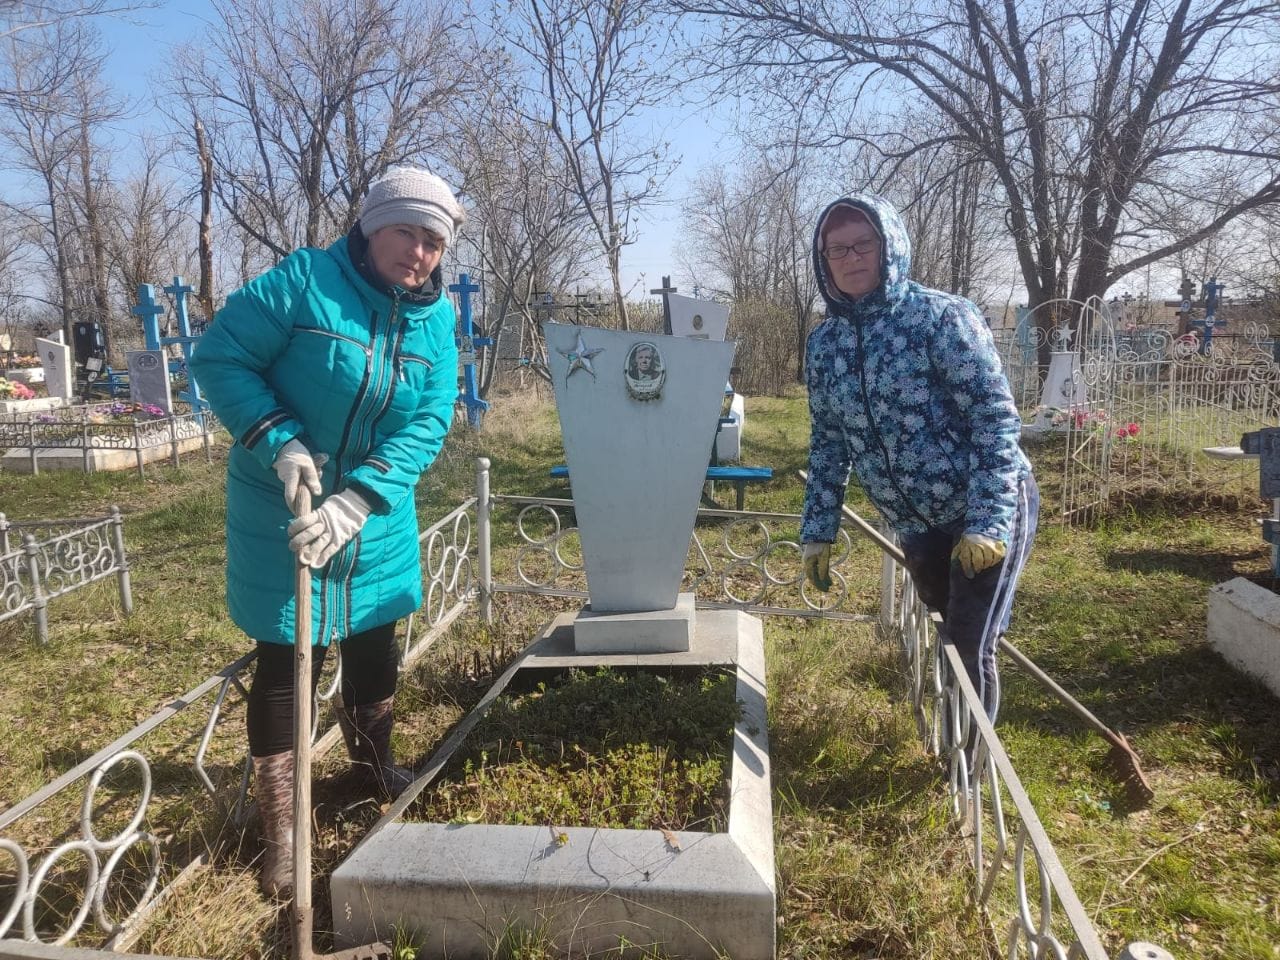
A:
(817, 565)
(976, 553)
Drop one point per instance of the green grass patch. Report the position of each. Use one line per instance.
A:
(604, 748)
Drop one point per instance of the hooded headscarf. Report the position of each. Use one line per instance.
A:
(895, 259)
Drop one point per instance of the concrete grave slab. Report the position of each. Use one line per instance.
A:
(456, 888)
(1244, 627)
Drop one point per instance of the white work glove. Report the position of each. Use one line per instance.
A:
(295, 464)
(817, 565)
(318, 535)
(976, 553)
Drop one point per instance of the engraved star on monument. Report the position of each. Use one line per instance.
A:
(580, 358)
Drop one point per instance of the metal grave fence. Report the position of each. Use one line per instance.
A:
(88, 429)
(63, 822)
(45, 559)
(1147, 410)
(743, 560)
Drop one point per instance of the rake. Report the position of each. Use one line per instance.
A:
(1121, 758)
(302, 915)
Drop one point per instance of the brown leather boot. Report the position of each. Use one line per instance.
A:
(367, 732)
(273, 788)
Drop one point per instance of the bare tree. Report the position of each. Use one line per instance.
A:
(527, 229)
(303, 103)
(752, 232)
(205, 291)
(599, 70)
(1094, 118)
(151, 237)
(46, 132)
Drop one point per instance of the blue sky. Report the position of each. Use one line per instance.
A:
(139, 44)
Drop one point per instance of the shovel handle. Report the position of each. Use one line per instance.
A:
(302, 913)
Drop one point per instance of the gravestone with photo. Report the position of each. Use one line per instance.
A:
(149, 379)
(55, 358)
(638, 414)
(698, 319)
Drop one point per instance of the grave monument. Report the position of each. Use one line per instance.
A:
(638, 414)
(149, 379)
(55, 358)
(1064, 387)
(698, 319)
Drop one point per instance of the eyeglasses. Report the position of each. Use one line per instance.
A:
(839, 251)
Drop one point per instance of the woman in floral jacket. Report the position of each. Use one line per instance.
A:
(905, 388)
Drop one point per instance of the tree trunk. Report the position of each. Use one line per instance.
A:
(97, 258)
(205, 293)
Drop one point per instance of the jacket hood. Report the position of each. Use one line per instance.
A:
(895, 259)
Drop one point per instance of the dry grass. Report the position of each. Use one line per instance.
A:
(869, 864)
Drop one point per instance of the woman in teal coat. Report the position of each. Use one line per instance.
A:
(336, 370)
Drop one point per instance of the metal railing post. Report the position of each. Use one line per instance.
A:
(39, 602)
(122, 562)
(483, 507)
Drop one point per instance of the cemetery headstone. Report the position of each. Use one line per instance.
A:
(149, 379)
(698, 319)
(55, 358)
(638, 414)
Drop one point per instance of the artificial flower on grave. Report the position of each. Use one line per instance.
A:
(21, 361)
(1128, 432)
(15, 390)
(125, 411)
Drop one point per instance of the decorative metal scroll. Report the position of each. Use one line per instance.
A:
(748, 561)
(87, 428)
(57, 557)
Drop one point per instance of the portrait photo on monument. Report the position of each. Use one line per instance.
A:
(645, 371)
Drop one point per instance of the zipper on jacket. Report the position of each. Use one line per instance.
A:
(875, 431)
(366, 348)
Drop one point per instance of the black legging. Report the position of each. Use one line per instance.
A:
(370, 662)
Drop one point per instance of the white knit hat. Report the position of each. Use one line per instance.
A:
(414, 196)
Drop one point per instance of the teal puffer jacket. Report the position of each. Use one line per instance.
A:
(315, 351)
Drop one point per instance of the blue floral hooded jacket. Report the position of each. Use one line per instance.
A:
(905, 387)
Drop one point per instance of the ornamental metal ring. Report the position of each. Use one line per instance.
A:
(434, 602)
(775, 547)
(759, 524)
(559, 541)
(86, 809)
(99, 894)
(22, 878)
(744, 564)
(555, 517)
(1046, 891)
(832, 599)
(537, 548)
(90, 882)
(462, 525)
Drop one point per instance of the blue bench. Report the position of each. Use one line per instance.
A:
(738, 476)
